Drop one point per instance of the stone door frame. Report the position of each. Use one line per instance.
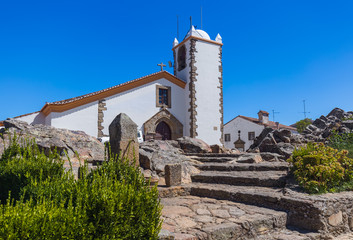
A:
(176, 127)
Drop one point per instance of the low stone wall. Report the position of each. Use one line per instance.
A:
(328, 213)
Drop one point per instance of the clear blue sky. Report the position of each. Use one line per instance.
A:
(275, 53)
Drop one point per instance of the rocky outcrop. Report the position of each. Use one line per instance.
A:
(283, 142)
(337, 120)
(156, 154)
(75, 143)
(277, 144)
(193, 145)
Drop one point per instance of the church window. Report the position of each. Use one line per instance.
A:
(181, 58)
(227, 137)
(251, 135)
(163, 96)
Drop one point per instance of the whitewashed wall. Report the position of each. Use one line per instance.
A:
(185, 76)
(83, 118)
(34, 118)
(245, 127)
(47, 120)
(208, 92)
(140, 104)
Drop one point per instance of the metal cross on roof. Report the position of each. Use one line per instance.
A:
(161, 65)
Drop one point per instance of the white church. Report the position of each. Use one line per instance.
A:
(188, 103)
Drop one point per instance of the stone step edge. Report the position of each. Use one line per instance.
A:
(241, 167)
(302, 214)
(246, 229)
(214, 160)
(235, 155)
(240, 178)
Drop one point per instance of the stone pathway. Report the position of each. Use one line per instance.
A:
(191, 217)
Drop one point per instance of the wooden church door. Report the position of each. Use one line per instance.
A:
(164, 130)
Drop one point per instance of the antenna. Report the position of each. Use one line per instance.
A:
(273, 114)
(201, 16)
(177, 27)
(190, 22)
(305, 112)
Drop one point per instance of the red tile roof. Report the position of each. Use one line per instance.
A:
(270, 124)
(64, 105)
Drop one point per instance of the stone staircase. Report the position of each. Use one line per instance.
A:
(221, 177)
(265, 185)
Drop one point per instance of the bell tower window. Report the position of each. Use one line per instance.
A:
(181, 58)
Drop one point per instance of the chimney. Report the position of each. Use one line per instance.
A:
(263, 116)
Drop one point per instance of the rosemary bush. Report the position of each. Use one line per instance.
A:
(43, 201)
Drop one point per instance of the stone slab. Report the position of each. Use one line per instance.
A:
(206, 218)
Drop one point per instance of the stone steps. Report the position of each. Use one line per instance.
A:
(215, 155)
(302, 213)
(259, 196)
(215, 159)
(265, 166)
(243, 178)
(265, 185)
(255, 184)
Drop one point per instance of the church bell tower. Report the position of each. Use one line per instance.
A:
(198, 61)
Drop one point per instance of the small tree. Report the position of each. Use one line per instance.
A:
(302, 124)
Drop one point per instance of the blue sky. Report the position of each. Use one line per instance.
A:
(275, 53)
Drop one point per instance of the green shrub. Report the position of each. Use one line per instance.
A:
(342, 141)
(302, 124)
(20, 165)
(320, 169)
(111, 202)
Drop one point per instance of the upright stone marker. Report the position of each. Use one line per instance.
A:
(123, 138)
(172, 174)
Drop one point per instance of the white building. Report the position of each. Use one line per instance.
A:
(249, 129)
(188, 103)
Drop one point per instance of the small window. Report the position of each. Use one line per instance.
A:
(163, 96)
(227, 137)
(251, 135)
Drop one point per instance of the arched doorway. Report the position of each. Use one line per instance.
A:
(175, 127)
(164, 130)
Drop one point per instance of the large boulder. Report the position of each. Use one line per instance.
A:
(193, 145)
(156, 154)
(348, 124)
(320, 123)
(74, 143)
(338, 113)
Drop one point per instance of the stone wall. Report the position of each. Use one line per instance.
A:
(101, 108)
(192, 89)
